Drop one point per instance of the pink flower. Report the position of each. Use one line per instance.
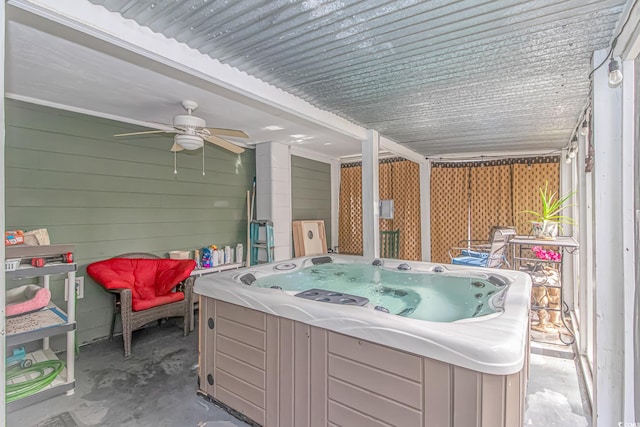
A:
(546, 254)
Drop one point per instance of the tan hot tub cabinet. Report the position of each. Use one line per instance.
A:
(278, 372)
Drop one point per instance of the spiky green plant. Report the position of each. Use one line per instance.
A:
(551, 208)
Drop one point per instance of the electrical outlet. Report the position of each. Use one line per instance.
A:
(79, 288)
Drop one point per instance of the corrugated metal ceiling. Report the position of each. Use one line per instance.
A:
(440, 76)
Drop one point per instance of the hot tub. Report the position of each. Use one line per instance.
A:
(341, 340)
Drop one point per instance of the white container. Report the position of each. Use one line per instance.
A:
(11, 264)
(179, 254)
(239, 253)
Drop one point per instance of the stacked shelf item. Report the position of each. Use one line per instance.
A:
(44, 323)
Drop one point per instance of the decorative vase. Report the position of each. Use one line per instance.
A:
(555, 306)
(547, 230)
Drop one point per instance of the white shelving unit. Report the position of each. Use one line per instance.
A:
(45, 323)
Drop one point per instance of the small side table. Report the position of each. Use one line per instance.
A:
(566, 245)
(202, 272)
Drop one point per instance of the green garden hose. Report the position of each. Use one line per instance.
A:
(27, 388)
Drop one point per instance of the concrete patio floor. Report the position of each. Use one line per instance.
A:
(555, 394)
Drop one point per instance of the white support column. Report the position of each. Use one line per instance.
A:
(566, 187)
(574, 211)
(273, 193)
(425, 209)
(588, 251)
(636, 329)
(2, 224)
(609, 278)
(636, 156)
(335, 202)
(370, 195)
(584, 258)
(628, 234)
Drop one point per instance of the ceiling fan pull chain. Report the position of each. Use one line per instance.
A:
(203, 160)
(175, 169)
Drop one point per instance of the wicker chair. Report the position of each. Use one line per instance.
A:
(132, 320)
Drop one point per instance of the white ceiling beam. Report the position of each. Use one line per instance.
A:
(79, 110)
(394, 147)
(98, 22)
(489, 155)
(312, 155)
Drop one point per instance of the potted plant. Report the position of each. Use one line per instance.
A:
(548, 220)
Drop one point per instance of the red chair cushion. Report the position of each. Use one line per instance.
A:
(145, 304)
(150, 280)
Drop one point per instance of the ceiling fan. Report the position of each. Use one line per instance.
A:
(191, 132)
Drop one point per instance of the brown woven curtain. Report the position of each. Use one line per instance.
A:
(400, 181)
(350, 213)
(527, 180)
(467, 199)
(449, 209)
(491, 203)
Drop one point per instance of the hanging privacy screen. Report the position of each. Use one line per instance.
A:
(399, 180)
(468, 198)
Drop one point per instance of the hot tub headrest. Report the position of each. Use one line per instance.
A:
(248, 279)
(321, 260)
(498, 281)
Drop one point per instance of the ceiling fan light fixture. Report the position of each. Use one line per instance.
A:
(188, 121)
(189, 142)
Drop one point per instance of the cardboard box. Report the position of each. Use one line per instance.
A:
(180, 254)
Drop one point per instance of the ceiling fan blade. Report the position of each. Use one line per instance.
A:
(141, 133)
(176, 147)
(224, 144)
(228, 132)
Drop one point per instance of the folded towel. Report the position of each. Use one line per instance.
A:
(474, 254)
